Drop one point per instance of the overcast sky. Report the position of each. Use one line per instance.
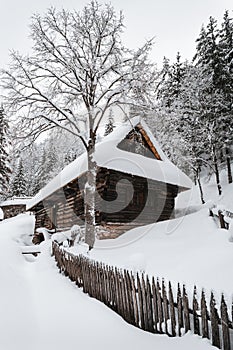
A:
(175, 24)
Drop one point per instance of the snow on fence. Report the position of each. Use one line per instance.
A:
(146, 303)
(224, 216)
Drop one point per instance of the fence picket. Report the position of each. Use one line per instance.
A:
(204, 317)
(186, 311)
(155, 305)
(196, 324)
(140, 303)
(214, 318)
(165, 306)
(225, 325)
(160, 307)
(172, 310)
(149, 306)
(135, 300)
(180, 310)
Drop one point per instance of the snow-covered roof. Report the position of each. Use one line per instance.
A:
(108, 155)
(15, 201)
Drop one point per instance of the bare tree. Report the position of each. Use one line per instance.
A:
(78, 70)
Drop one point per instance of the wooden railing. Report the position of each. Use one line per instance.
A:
(148, 303)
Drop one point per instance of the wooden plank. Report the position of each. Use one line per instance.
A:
(172, 310)
(160, 306)
(135, 301)
(225, 325)
(214, 319)
(196, 324)
(140, 303)
(144, 303)
(187, 326)
(155, 305)
(165, 306)
(204, 317)
(149, 306)
(180, 310)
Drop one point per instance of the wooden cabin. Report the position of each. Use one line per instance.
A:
(14, 206)
(136, 185)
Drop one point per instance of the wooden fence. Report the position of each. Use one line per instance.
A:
(149, 304)
(224, 217)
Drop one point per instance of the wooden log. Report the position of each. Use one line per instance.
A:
(187, 326)
(225, 325)
(204, 317)
(165, 306)
(196, 325)
(172, 311)
(214, 319)
(180, 310)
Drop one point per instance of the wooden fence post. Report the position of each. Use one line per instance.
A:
(186, 311)
(155, 305)
(144, 303)
(160, 307)
(149, 306)
(225, 325)
(165, 306)
(140, 302)
(180, 310)
(204, 317)
(214, 318)
(196, 324)
(172, 311)
(130, 298)
(221, 219)
(135, 300)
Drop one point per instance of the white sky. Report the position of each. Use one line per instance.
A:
(175, 24)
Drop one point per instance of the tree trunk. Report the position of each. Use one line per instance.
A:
(217, 172)
(89, 199)
(200, 186)
(229, 173)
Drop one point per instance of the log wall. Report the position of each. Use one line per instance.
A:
(120, 199)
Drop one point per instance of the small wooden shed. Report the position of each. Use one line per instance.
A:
(14, 206)
(136, 184)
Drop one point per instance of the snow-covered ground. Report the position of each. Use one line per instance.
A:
(41, 309)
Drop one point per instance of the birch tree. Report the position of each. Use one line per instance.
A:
(77, 70)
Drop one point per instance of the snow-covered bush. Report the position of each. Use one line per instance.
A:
(59, 237)
(75, 234)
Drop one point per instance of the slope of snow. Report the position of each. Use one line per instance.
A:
(108, 155)
(43, 310)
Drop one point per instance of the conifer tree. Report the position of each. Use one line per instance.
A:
(5, 169)
(226, 49)
(110, 124)
(19, 186)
